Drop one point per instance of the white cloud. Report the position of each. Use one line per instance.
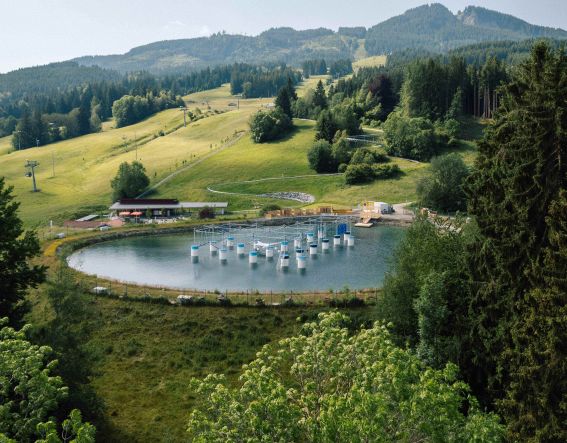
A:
(178, 29)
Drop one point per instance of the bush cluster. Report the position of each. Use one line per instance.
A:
(269, 125)
(132, 109)
(364, 172)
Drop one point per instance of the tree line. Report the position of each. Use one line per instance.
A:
(132, 109)
(40, 115)
(490, 295)
(260, 81)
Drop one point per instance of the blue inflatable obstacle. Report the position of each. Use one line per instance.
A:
(342, 228)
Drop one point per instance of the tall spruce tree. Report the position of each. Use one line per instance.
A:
(283, 101)
(17, 248)
(40, 135)
(23, 137)
(291, 89)
(326, 127)
(518, 306)
(84, 115)
(319, 96)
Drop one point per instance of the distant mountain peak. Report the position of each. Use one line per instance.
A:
(432, 27)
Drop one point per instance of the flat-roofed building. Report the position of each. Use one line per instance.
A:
(162, 207)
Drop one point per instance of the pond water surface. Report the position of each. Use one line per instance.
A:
(164, 260)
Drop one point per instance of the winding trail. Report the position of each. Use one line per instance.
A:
(301, 197)
(228, 144)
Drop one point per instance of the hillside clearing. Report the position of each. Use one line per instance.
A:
(369, 62)
(5, 145)
(249, 161)
(84, 166)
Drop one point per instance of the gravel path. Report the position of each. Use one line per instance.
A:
(301, 197)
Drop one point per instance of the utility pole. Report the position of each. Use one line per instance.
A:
(19, 140)
(53, 163)
(184, 109)
(30, 166)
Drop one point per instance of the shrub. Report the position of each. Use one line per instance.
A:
(362, 155)
(342, 168)
(369, 156)
(320, 157)
(385, 171)
(361, 173)
(269, 125)
(380, 156)
(207, 212)
(349, 302)
(269, 207)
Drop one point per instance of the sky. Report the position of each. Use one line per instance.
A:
(35, 32)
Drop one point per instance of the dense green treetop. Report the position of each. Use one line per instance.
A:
(327, 385)
(29, 393)
(443, 188)
(269, 125)
(130, 181)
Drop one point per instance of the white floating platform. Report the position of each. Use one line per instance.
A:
(364, 225)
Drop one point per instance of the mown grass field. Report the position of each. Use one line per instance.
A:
(369, 62)
(285, 158)
(85, 165)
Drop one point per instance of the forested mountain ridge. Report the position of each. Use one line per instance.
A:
(41, 79)
(274, 45)
(477, 16)
(436, 28)
(432, 27)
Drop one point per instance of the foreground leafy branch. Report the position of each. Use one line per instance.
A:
(29, 393)
(327, 385)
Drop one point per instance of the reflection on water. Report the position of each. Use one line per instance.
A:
(165, 260)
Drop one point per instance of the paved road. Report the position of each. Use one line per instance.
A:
(401, 214)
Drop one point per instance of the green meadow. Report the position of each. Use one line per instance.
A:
(140, 357)
(212, 153)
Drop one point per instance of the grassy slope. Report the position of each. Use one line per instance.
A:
(376, 60)
(84, 166)
(310, 83)
(5, 145)
(248, 161)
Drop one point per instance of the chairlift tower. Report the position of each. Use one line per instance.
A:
(30, 172)
(184, 109)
